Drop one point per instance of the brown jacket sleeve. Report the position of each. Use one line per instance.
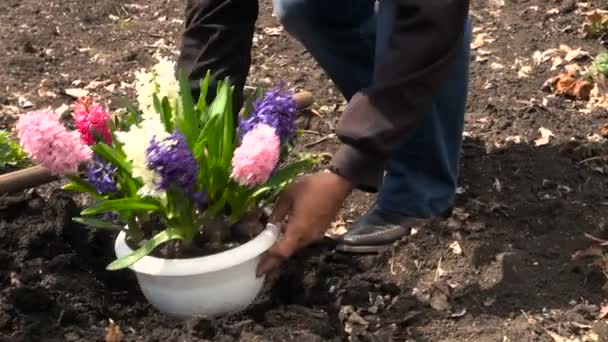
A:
(425, 40)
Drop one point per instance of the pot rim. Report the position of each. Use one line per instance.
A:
(191, 266)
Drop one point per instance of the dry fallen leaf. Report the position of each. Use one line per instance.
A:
(545, 137)
(76, 92)
(572, 54)
(96, 84)
(524, 71)
(541, 57)
(572, 68)
(496, 66)
(62, 109)
(593, 250)
(337, 228)
(113, 333)
(604, 131)
(514, 139)
(558, 338)
(556, 62)
(596, 24)
(24, 103)
(111, 88)
(273, 31)
(455, 247)
(603, 312)
(480, 40)
(570, 86)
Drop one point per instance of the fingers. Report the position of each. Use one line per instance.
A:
(278, 253)
(282, 207)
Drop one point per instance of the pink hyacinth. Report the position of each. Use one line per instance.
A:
(49, 143)
(256, 158)
(91, 117)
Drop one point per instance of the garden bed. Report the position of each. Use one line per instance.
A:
(522, 213)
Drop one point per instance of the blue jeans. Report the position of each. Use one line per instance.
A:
(346, 37)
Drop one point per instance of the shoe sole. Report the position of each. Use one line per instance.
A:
(363, 249)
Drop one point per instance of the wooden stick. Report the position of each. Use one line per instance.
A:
(38, 175)
(24, 179)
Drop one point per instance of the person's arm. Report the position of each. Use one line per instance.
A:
(423, 45)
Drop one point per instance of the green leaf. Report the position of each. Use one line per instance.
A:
(601, 63)
(218, 106)
(228, 138)
(201, 106)
(186, 121)
(166, 115)
(251, 99)
(11, 154)
(147, 248)
(79, 185)
(122, 204)
(134, 114)
(283, 176)
(98, 224)
(112, 155)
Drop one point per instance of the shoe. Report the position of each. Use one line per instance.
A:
(377, 231)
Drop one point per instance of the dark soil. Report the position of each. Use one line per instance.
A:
(522, 213)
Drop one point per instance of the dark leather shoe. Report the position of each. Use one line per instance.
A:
(376, 231)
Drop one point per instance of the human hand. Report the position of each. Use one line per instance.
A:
(309, 204)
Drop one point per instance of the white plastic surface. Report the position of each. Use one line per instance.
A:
(202, 287)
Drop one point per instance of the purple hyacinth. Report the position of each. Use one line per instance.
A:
(173, 161)
(102, 175)
(277, 109)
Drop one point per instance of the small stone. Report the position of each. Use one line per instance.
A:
(344, 312)
(453, 224)
(373, 309)
(568, 6)
(475, 226)
(355, 318)
(71, 336)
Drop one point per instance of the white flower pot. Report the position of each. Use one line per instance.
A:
(202, 287)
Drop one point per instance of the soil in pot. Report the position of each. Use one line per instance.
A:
(215, 237)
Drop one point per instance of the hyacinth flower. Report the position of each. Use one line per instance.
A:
(91, 118)
(160, 81)
(276, 109)
(102, 176)
(135, 148)
(257, 156)
(47, 142)
(173, 162)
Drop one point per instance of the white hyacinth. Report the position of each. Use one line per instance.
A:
(135, 142)
(159, 80)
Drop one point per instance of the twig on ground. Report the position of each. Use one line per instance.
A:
(308, 131)
(317, 142)
(592, 159)
(438, 271)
